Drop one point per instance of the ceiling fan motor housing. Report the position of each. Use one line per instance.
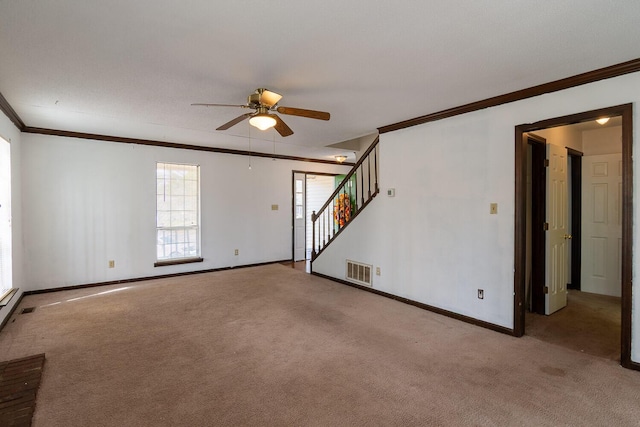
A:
(253, 100)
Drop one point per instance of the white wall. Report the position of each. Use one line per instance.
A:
(435, 242)
(9, 132)
(563, 136)
(87, 202)
(602, 141)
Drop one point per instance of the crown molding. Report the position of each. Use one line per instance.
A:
(149, 142)
(8, 110)
(566, 83)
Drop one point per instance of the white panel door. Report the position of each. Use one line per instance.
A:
(557, 248)
(602, 224)
(5, 217)
(299, 197)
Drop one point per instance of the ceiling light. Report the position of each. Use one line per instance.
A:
(262, 121)
(341, 159)
(603, 120)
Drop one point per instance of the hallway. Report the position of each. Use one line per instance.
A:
(590, 323)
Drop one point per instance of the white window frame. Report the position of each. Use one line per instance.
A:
(177, 213)
(6, 273)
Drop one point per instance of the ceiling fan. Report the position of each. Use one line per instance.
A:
(263, 101)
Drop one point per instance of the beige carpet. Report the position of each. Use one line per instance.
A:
(272, 345)
(590, 323)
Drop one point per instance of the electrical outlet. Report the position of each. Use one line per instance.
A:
(112, 264)
(377, 271)
(480, 293)
(236, 252)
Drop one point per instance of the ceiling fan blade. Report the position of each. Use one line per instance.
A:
(312, 114)
(234, 121)
(219, 105)
(282, 127)
(269, 98)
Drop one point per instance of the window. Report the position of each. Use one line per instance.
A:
(177, 213)
(5, 218)
(299, 199)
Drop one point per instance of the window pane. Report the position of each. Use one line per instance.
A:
(6, 272)
(298, 212)
(177, 172)
(177, 219)
(191, 188)
(298, 186)
(177, 211)
(162, 204)
(191, 203)
(177, 203)
(190, 218)
(191, 173)
(160, 186)
(298, 199)
(163, 219)
(177, 187)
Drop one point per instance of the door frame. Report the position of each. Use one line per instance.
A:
(575, 160)
(538, 218)
(293, 205)
(520, 250)
(293, 213)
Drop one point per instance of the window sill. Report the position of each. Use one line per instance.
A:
(177, 261)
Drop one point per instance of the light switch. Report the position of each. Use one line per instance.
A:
(493, 208)
(274, 207)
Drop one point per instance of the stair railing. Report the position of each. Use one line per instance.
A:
(353, 194)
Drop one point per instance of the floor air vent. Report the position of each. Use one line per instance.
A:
(359, 273)
(28, 310)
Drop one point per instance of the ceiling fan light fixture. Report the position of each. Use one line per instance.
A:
(262, 121)
(603, 120)
(269, 98)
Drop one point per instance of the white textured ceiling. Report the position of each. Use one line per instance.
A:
(131, 68)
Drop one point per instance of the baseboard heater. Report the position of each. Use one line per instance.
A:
(6, 297)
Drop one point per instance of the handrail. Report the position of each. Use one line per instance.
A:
(342, 202)
(350, 174)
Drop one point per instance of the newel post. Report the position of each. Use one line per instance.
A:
(313, 234)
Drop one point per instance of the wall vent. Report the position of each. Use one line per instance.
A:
(359, 273)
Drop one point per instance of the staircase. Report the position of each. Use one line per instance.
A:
(353, 194)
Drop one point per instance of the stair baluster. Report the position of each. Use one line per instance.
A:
(327, 224)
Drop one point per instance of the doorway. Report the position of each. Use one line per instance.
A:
(299, 220)
(555, 206)
(310, 191)
(524, 252)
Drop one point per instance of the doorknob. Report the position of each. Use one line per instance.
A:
(567, 236)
